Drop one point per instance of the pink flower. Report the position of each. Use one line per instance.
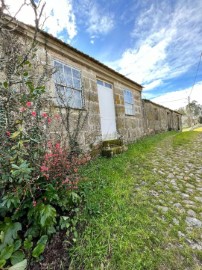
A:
(34, 114)
(57, 116)
(8, 133)
(22, 109)
(57, 146)
(49, 120)
(29, 104)
(44, 115)
(44, 169)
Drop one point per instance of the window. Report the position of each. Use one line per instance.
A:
(108, 85)
(129, 103)
(68, 85)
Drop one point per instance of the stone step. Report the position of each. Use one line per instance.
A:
(114, 142)
(113, 147)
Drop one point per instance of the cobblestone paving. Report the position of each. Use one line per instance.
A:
(176, 194)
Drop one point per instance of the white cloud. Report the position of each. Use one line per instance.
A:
(167, 42)
(176, 99)
(96, 19)
(60, 16)
(99, 23)
(152, 85)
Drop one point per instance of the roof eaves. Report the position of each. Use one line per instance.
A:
(147, 100)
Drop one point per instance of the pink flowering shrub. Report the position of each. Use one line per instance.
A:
(39, 175)
(58, 165)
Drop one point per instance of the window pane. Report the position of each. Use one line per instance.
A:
(60, 94)
(108, 85)
(77, 99)
(59, 78)
(77, 84)
(76, 74)
(67, 80)
(68, 75)
(99, 82)
(129, 109)
(69, 97)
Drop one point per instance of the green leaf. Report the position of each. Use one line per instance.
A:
(25, 74)
(47, 214)
(41, 244)
(27, 62)
(5, 84)
(15, 134)
(28, 243)
(6, 253)
(2, 263)
(64, 222)
(19, 266)
(17, 257)
(17, 244)
(9, 231)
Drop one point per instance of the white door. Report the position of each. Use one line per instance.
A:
(107, 110)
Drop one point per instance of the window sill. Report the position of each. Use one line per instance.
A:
(76, 109)
(130, 115)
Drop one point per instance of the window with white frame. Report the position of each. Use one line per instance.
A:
(128, 102)
(68, 85)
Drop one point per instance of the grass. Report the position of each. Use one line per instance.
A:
(184, 137)
(198, 129)
(122, 226)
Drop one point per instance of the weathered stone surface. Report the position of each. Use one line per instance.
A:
(191, 213)
(199, 199)
(164, 209)
(193, 222)
(158, 119)
(175, 221)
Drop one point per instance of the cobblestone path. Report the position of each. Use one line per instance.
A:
(178, 191)
(176, 195)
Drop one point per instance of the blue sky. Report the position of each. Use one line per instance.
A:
(156, 43)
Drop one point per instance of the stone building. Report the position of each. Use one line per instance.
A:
(159, 119)
(113, 102)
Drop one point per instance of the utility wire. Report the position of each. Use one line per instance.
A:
(191, 88)
(172, 100)
(195, 76)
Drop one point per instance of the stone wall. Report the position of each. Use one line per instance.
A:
(148, 117)
(159, 119)
(129, 127)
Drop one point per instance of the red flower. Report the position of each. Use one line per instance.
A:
(29, 104)
(22, 109)
(34, 114)
(57, 146)
(44, 115)
(8, 133)
(49, 120)
(44, 169)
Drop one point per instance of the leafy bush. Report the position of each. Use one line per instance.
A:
(39, 178)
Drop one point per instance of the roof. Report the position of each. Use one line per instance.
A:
(149, 101)
(89, 57)
(23, 25)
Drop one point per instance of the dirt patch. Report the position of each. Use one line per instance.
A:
(55, 255)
